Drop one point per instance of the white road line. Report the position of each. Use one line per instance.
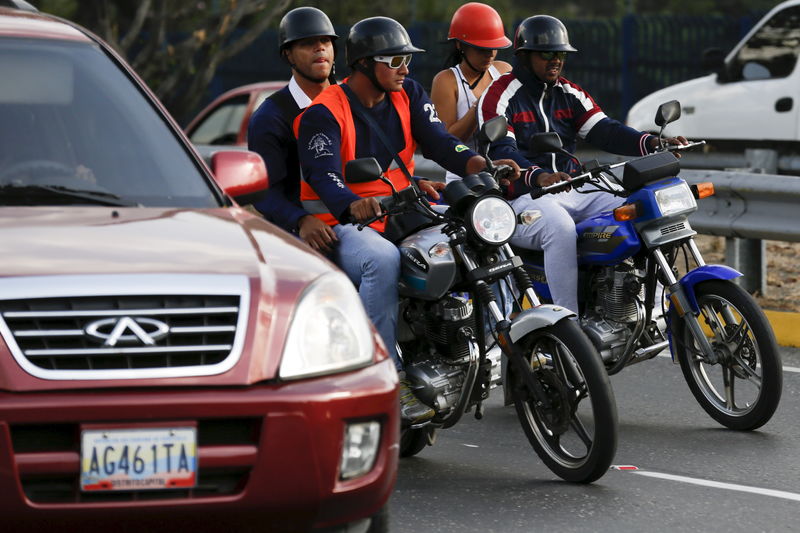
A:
(719, 485)
(785, 369)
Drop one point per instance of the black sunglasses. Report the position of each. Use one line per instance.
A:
(547, 56)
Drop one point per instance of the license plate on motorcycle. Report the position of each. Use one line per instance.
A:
(147, 458)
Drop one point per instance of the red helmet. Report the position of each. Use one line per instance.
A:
(478, 25)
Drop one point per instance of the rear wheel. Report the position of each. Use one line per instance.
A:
(743, 388)
(413, 441)
(574, 429)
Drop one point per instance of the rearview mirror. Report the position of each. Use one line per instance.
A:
(362, 170)
(545, 142)
(668, 112)
(493, 129)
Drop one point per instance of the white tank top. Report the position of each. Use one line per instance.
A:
(465, 100)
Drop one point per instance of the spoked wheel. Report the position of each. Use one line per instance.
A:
(413, 441)
(574, 430)
(743, 388)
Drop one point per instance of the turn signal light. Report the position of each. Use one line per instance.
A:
(703, 190)
(626, 212)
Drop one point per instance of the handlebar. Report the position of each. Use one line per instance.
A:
(576, 181)
(679, 147)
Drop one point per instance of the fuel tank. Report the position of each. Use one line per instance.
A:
(605, 241)
(427, 264)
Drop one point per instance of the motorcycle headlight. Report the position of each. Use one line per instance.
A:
(329, 332)
(493, 220)
(675, 199)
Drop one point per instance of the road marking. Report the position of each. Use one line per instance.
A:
(709, 483)
(470, 445)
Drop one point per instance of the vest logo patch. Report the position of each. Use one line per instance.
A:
(460, 148)
(320, 144)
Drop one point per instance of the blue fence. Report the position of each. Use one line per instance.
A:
(619, 60)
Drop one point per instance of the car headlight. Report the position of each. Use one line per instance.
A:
(675, 199)
(329, 332)
(493, 220)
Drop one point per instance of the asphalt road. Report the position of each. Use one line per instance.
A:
(693, 475)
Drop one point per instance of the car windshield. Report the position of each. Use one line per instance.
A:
(76, 130)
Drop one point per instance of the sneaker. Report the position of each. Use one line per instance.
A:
(412, 411)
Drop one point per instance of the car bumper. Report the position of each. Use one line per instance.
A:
(268, 455)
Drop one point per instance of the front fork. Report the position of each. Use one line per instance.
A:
(685, 303)
(510, 349)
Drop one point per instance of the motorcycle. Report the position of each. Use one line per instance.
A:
(714, 329)
(453, 328)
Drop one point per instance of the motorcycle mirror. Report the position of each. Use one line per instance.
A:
(493, 129)
(668, 112)
(545, 142)
(549, 142)
(362, 170)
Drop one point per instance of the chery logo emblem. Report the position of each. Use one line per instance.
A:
(127, 329)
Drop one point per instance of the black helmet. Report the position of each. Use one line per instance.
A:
(377, 36)
(303, 22)
(542, 33)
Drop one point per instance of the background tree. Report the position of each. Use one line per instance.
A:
(174, 45)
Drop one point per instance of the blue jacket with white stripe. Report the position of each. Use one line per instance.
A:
(533, 106)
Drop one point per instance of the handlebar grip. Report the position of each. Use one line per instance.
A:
(537, 193)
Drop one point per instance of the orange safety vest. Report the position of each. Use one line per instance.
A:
(335, 99)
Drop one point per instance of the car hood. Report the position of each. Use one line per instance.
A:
(81, 246)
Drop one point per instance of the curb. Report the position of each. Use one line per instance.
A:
(786, 326)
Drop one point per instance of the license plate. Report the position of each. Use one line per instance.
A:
(138, 459)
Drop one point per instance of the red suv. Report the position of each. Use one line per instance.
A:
(168, 361)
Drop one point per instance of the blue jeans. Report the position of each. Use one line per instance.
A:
(373, 264)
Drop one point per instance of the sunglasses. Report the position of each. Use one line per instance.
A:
(547, 56)
(394, 61)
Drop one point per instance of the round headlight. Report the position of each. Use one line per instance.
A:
(493, 220)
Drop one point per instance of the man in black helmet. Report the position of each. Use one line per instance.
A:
(307, 43)
(534, 97)
(341, 125)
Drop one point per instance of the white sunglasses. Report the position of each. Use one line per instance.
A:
(394, 61)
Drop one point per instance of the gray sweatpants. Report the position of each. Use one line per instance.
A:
(554, 232)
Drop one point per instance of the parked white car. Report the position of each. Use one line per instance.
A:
(752, 100)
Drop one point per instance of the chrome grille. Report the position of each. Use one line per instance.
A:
(666, 230)
(182, 329)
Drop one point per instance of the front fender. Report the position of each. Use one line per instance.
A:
(705, 273)
(536, 318)
(527, 321)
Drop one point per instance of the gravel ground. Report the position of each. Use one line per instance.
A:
(783, 271)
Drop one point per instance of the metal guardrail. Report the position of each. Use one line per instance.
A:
(748, 205)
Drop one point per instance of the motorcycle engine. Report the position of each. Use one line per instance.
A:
(440, 335)
(618, 289)
(610, 317)
(449, 325)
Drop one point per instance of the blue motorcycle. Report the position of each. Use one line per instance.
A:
(634, 303)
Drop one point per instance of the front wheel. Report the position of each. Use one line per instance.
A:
(573, 428)
(742, 389)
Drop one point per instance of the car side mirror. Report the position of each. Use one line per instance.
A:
(545, 142)
(362, 170)
(242, 175)
(668, 112)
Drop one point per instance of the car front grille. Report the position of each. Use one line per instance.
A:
(180, 329)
